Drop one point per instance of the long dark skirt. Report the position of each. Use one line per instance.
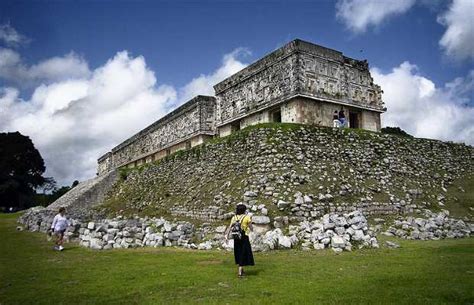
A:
(243, 252)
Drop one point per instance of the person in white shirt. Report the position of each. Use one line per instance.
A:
(58, 227)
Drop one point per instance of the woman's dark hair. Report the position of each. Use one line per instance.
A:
(241, 208)
(62, 210)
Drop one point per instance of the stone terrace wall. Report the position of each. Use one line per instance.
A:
(297, 69)
(196, 117)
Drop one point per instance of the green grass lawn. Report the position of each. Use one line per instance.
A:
(437, 272)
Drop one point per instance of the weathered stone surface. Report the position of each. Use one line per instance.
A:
(205, 246)
(261, 220)
(196, 117)
(96, 244)
(391, 244)
(434, 226)
(337, 242)
(297, 68)
(284, 242)
(80, 200)
(282, 204)
(221, 229)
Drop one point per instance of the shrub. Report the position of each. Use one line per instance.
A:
(396, 131)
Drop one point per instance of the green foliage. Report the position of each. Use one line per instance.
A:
(47, 199)
(21, 170)
(396, 131)
(460, 197)
(51, 193)
(123, 173)
(420, 272)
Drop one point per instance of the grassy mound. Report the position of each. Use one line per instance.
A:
(278, 160)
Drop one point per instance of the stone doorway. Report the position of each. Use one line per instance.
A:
(354, 119)
(235, 126)
(276, 116)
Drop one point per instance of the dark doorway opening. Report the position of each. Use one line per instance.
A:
(276, 116)
(235, 125)
(354, 120)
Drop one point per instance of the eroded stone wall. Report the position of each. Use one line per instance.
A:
(257, 118)
(175, 131)
(313, 112)
(306, 111)
(371, 121)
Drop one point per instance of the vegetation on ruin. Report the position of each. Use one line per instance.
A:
(461, 197)
(222, 167)
(420, 272)
(396, 131)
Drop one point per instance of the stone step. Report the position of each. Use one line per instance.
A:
(87, 194)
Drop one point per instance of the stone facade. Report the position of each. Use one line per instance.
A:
(298, 83)
(307, 111)
(187, 126)
(301, 83)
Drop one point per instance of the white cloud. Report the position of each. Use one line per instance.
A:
(77, 117)
(204, 83)
(416, 105)
(458, 40)
(70, 66)
(11, 37)
(358, 15)
(59, 68)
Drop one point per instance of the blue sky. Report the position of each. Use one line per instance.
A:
(85, 75)
(180, 40)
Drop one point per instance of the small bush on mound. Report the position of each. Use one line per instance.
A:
(396, 131)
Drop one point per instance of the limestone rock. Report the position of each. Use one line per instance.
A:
(337, 242)
(390, 244)
(284, 242)
(205, 246)
(282, 204)
(96, 244)
(260, 220)
(221, 229)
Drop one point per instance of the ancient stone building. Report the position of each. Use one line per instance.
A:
(298, 83)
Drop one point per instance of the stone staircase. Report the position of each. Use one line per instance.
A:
(87, 194)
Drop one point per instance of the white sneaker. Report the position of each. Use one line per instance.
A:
(61, 248)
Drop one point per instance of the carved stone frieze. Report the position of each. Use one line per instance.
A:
(298, 68)
(195, 117)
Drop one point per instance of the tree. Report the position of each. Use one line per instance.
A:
(396, 131)
(21, 170)
(51, 192)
